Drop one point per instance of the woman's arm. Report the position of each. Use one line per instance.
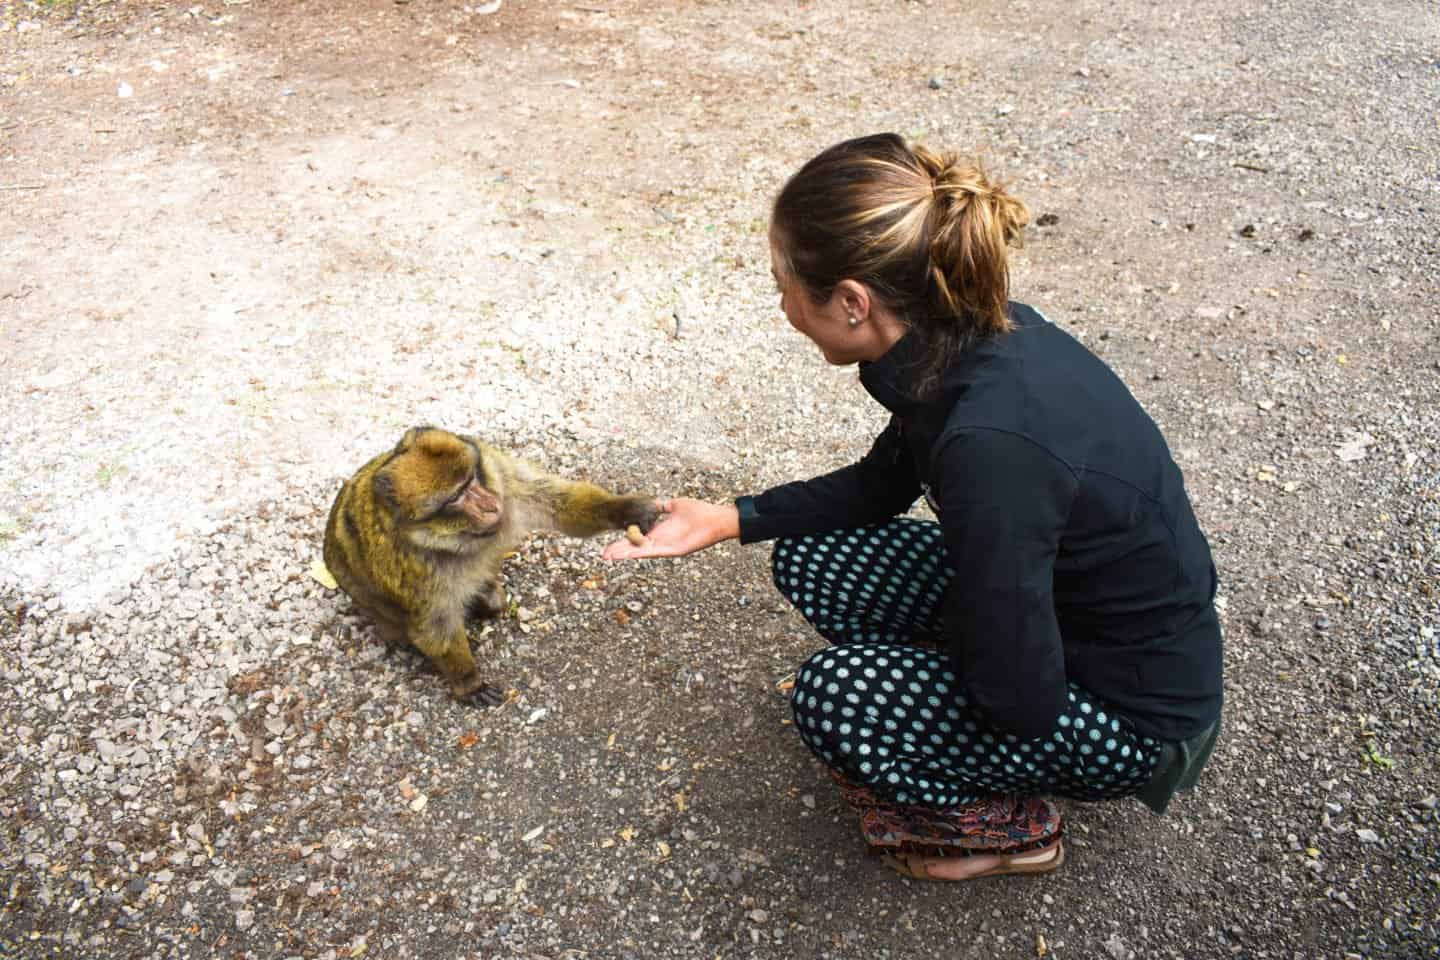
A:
(882, 485)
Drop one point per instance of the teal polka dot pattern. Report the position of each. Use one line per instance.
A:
(885, 710)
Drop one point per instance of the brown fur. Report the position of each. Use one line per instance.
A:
(417, 535)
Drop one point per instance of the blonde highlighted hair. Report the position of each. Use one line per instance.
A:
(927, 232)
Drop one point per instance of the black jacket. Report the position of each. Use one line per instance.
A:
(1077, 556)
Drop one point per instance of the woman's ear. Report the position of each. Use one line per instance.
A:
(853, 298)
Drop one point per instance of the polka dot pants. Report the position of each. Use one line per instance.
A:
(889, 713)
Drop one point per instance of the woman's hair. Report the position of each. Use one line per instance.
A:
(926, 232)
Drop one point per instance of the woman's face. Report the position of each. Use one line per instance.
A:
(826, 324)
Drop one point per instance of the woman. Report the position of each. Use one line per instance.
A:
(1054, 633)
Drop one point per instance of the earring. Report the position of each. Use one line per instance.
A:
(854, 320)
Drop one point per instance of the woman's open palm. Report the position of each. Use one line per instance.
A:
(688, 525)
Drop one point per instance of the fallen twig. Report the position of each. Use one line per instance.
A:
(22, 186)
(1251, 166)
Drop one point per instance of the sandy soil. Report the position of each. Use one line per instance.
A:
(244, 244)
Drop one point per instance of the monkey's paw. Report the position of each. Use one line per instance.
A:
(481, 695)
(642, 512)
(486, 604)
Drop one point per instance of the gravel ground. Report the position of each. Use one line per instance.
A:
(245, 244)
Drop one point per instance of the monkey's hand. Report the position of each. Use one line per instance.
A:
(642, 512)
(487, 695)
(490, 601)
(477, 692)
(688, 526)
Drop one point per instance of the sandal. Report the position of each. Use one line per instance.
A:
(1006, 825)
(917, 866)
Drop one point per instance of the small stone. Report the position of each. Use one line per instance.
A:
(1117, 949)
(936, 83)
(244, 919)
(1366, 835)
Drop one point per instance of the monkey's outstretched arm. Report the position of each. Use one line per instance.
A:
(575, 508)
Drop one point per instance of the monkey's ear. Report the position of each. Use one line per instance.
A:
(384, 486)
(411, 435)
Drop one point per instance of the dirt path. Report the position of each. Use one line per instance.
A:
(244, 244)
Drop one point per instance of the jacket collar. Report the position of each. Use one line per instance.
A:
(893, 380)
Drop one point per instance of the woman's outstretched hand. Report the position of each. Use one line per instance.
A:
(688, 525)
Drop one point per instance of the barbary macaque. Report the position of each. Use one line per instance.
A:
(417, 535)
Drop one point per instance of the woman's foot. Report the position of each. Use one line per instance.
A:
(978, 865)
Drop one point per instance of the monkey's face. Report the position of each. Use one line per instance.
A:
(437, 486)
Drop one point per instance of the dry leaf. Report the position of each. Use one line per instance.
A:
(406, 789)
(468, 739)
(610, 742)
(680, 802)
(607, 843)
(1041, 947)
(322, 574)
(419, 802)
(663, 848)
(533, 834)
(627, 833)
(245, 684)
(622, 618)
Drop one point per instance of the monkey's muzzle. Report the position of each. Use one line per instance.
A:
(484, 509)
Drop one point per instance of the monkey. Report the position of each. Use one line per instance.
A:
(416, 537)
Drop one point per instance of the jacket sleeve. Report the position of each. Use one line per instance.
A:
(882, 485)
(1003, 503)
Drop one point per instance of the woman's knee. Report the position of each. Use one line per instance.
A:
(784, 567)
(812, 678)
